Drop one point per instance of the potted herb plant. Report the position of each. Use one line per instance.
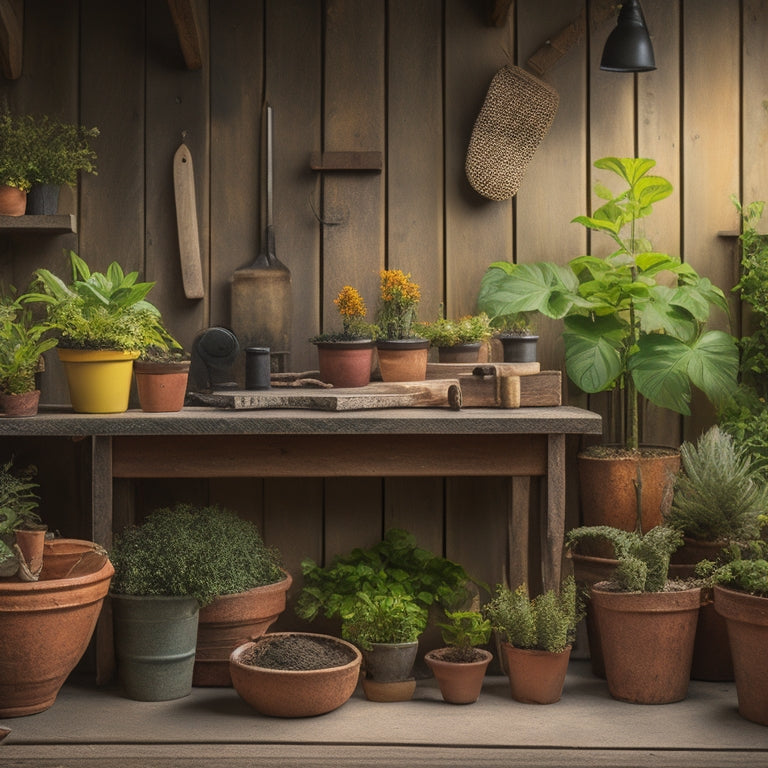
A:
(457, 341)
(536, 635)
(402, 354)
(21, 347)
(345, 357)
(627, 329)
(104, 319)
(15, 172)
(182, 567)
(295, 674)
(460, 666)
(647, 623)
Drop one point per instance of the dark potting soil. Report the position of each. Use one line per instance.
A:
(297, 652)
(457, 655)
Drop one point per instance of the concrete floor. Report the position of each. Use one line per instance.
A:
(89, 726)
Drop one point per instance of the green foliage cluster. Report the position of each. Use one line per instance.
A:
(18, 504)
(624, 326)
(743, 567)
(21, 344)
(394, 567)
(43, 150)
(383, 618)
(464, 630)
(643, 559)
(201, 552)
(101, 310)
(449, 333)
(546, 622)
(720, 494)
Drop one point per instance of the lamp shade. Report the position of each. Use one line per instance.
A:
(628, 48)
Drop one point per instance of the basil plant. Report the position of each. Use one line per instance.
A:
(635, 319)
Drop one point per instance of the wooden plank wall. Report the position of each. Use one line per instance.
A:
(405, 78)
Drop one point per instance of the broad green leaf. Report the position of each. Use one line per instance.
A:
(714, 366)
(593, 351)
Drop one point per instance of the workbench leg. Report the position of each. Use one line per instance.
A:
(101, 531)
(517, 532)
(554, 533)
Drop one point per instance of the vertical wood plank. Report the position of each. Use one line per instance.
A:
(415, 504)
(754, 158)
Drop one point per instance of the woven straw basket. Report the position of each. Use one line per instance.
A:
(516, 115)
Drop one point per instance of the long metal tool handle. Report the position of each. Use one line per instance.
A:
(270, 229)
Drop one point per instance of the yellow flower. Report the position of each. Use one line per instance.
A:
(397, 286)
(350, 302)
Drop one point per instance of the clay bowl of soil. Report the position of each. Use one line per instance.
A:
(295, 674)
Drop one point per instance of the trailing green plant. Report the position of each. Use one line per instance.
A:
(625, 327)
(643, 558)
(19, 503)
(462, 632)
(21, 345)
(448, 333)
(742, 566)
(185, 550)
(394, 566)
(546, 622)
(719, 494)
(383, 618)
(101, 310)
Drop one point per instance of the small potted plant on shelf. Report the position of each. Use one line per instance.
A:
(536, 637)
(203, 578)
(402, 354)
(646, 622)
(386, 626)
(161, 377)
(21, 348)
(457, 341)
(460, 666)
(101, 318)
(627, 329)
(345, 357)
(15, 172)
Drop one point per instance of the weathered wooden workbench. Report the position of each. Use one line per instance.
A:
(521, 443)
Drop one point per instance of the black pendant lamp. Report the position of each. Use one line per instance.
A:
(628, 48)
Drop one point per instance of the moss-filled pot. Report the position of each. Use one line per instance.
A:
(272, 675)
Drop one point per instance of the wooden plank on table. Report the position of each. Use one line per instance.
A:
(538, 389)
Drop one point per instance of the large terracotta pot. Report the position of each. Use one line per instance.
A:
(647, 641)
(536, 677)
(403, 360)
(45, 627)
(345, 363)
(99, 380)
(460, 682)
(161, 386)
(607, 487)
(13, 201)
(230, 621)
(295, 692)
(746, 617)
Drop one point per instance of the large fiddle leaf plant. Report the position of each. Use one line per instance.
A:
(635, 319)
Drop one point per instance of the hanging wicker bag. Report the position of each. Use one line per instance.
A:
(516, 115)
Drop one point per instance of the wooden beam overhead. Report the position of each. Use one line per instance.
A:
(187, 23)
(11, 37)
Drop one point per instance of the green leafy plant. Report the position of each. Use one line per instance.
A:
(720, 494)
(383, 618)
(101, 310)
(21, 345)
(353, 311)
(448, 333)
(462, 631)
(493, 300)
(643, 559)
(395, 566)
(399, 299)
(742, 566)
(624, 327)
(201, 552)
(19, 502)
(546, 622)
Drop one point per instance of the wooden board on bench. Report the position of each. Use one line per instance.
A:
(510, 391)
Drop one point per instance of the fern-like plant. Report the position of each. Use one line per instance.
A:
(720, 494)
(643, 559)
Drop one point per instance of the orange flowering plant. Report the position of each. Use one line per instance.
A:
(352, 309)
(400, 298)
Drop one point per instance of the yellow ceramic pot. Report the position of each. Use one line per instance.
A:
(99, 380)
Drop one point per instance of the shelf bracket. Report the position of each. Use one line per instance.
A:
(11, 37)
(187, 23)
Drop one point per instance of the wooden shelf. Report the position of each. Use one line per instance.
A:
(54, 225)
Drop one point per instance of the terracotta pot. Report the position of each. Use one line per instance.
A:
(18, 406)
(99, 380)
(45, 627)
(519, 349)
(747, 619)
(345, 363)
(66, 558)
(161, 386)
(647, 641)
(13, 201)
(460, 683)
(230, 621)
(403, 360)
(31, 543)
(295, 693)
(607, 488)
(399, 690)
(536, 677)
(459, 353)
